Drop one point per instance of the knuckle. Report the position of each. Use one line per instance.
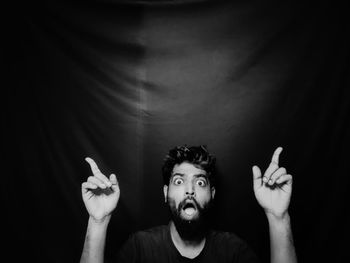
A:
(90, 179)
(274, 176)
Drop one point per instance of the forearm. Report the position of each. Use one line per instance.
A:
(93, 251)
(281, 240)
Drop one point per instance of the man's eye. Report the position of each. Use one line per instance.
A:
(178, 181)
(201, 183)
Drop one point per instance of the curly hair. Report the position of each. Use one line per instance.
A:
(196, 155)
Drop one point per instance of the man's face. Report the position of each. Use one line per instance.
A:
(189, 192)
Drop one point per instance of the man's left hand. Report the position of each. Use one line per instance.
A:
(273, 190)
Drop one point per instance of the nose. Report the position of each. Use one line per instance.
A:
(190, 191)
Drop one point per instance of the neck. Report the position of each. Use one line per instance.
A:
(188, 248)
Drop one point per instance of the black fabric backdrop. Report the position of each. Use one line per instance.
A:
(122, 82)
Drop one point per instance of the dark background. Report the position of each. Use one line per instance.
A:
(124, 81)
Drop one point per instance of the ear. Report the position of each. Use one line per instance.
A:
(213, 192)
(165, 191)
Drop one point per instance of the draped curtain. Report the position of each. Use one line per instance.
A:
(124, 81)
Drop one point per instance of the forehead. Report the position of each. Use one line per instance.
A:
(186, 168)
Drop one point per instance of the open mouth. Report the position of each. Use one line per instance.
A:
(189, 208)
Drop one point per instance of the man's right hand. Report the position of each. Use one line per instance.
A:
(100, 194)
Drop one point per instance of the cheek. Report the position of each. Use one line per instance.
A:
(176, 194)
(203, 195)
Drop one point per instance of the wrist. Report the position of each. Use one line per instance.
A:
(99, 222)
(279, 219)
(280, 223)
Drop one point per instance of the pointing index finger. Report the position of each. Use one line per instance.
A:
(276, 155)
(93, 165)
(97, 173)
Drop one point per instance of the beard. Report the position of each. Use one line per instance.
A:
(194, 228)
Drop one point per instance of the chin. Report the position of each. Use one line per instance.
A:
(191, 218)
(190, 227)
(193, 228)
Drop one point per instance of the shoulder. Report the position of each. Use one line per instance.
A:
(225, 237)
(143, 244)
(235, 246)
(157, 232)
(150, 238)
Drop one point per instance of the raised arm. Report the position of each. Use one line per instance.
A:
(273, 192)
(100, 195)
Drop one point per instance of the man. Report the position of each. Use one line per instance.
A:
(189, 189)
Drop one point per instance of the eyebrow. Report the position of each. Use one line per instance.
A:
(196, 175)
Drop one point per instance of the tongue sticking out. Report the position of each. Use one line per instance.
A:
(189, 211)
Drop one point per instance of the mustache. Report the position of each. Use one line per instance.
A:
(189, 200)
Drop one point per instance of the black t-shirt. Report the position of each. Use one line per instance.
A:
(156, 246)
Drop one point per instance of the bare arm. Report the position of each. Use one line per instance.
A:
(94, 244)
(273, 192)
(100, 195)
(281, 240)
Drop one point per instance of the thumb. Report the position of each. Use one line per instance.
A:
(113, 180)
(257, 179)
